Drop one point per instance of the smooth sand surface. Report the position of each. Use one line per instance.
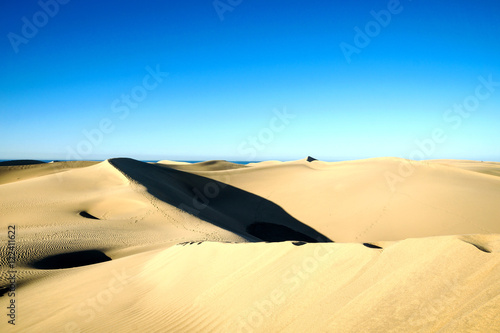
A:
(370, 200)
(377, 245)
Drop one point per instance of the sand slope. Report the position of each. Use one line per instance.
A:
(416, 285)
(354, 201)
(125, 246)
(244, 213)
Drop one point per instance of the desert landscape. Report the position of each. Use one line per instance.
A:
(373, 245)
(235, 166)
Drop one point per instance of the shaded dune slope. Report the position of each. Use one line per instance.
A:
(244, 213)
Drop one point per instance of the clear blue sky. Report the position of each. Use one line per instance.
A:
(66, 72)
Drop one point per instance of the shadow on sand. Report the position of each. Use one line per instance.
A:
(71, 259)
(228, 207)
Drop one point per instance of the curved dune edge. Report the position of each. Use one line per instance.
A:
(430, 284)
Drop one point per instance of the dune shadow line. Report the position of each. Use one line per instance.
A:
(246, 214)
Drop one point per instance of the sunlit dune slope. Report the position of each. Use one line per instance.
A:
(424, 285)
(378, 199)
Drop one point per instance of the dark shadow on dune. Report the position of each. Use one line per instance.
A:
(228, 207)
(372, 246)
(87, 215)
(271, 232)
(480, 247)
(72, 259)
(4, 290)
(299, 243)
(20, 162)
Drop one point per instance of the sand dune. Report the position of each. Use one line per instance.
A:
(203, 166)
(248, 215)
(125, 246)
(434, 200)
(13, 171)
(413, 285)
(488, 168)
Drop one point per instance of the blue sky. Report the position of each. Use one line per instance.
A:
(249, 80)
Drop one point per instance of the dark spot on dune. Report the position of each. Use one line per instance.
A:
(72, 259)
(271, 232)
(310, 159)
(481, 248)
(4, 290)
(372, 246)
(87, 215)
(299, 243)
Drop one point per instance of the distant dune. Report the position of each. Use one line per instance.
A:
(376, 245)
(20, 162)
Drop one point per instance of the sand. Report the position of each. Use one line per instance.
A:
(376, 245)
